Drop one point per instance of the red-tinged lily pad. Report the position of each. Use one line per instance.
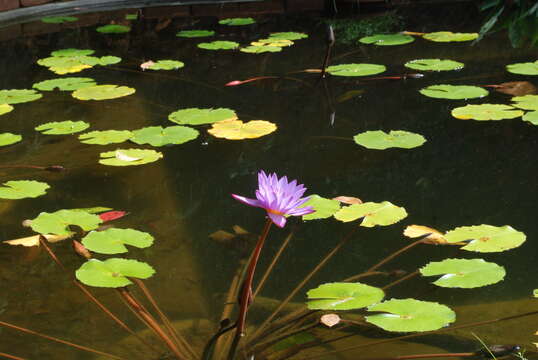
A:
(112, 215)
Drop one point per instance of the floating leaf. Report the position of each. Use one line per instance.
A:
(62, 127)
(58, 19)
(516, 88)
(113, 241)
(195, 116)
(9, 138)
(387, 39)
(127, 157)
(330, 320)
(131, 17)
(18, 96)
(529, 68)
(112, 215)
(237, 130)
(288, 35)
(448, 36)
(113, 29)
(5, 108)
(454, 92)
(22, 189)
(527, 102)
(434, 65)
(93, 210)
(486, 238)
(34, 240)
(486, 112)
(373, 214)
(105, 137)
(343, 296)
(108, 60)
(464, 273)
(165, 65)
(102, 92)
(406, 315)
(58, 222)
(112, 273)
(195, 33)
(323, 207)
(355, 69)
(219, 45)
(65, 84)
(532, 117)
(159, 136)
(380, 140)
(259, 49)
(65, 64)
(72, 52)
(237, 21)
(272, 42)
(430, 236)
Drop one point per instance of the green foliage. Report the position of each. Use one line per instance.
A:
(237, 21)
(195, 33)
(102, 92)
(529, 68)
(380, 140)
(464, 273)
(486, 112)
(343, 296)
(324, 208)
(105, 137)
(166, 65)
(113, 29)
(72, 52)
(449, 36)
(387, 39)
(64, 84)
(287, 36)
(112, 273)
(454, 92)
(486, 238)
(113, 241)
(532, 117)
(259, 49)
(219, 45)
(72, 60)
(62, 127)
(129, 157)
(9, 138)
(159, 136)
(58, 222)
(17, 96)
(5, 108)
(372, 214)
(21, 189)
(355, 69)
(196, 116)
(434, 65)
(526, 102)
(347, 31)
(58, 19)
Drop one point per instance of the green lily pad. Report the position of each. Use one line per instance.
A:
(486, 238)
(324, 208)
(62, 127)
(58, 222)
(108, 60)
(195, 116)
(464, 273)
(166, 65)
(131, 17)
(159, 136)
(529, 68)
(64, 84)
(273, 42)
(5, 108)
(387, 39)
(385, 213)
(434, 65)
(113, 241)
(102, 92)
(535, 292)
(9, 138)
(195, 33)
(380, 140)
(72, 52)
(527, 102)
(22, 189)
(449, 36)
(454, 92)
(237, 21)
(219, 45)
(105, 137)
(259, 49)
(113, 29)
(405, 315)
(16, 96)
(112, 273)
(485, 112)
(532, 117)
(94, 210)
(355, 69)
(288, 35)
(68, 64)
(58, 19)
(343, 296)
(129, 157)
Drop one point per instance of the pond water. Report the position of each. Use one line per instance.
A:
(467, 173)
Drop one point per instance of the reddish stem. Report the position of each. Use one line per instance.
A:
(7, 356)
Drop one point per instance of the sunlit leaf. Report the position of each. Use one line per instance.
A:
(405, 315)
(102, 92)
(431, 236)
(532, 117)
(380, 140)
(69, 64)
(259, 49)
(529, 68)
(486, 238)
(237, 21)
(238, 130)
(64, 84)
(355, 69)
(219, 45)
(159, 136)
(454, 92)
(9, 138)
(195, 33)
(448, 36)
(22, 189)
(387, 39)
(373, 214)
(128, 157)
(108, 60)
(5, 108)
(464, 273)
(112, 273)
(58, 222)
(34, 240)
(195, 116)
(113, 29)
(527, 102)
(324, 208)
(166, 65)
(72, 52)
(16, 96)
(93, 210)
(485, 112)
(343, 296)
(58, 19)
(113, 241)
(272, 42)
(288, 35)
(105, 137)
(131, 17)
(62, 127)
(434, 65)
(535, 293)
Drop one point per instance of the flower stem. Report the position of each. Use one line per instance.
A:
(395, 254)
(7, 356)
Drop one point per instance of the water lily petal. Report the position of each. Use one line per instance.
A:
(251, 202)
(278, 220)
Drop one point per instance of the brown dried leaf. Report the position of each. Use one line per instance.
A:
(330, 320)
(432, 236)
(222, 236)
(516, 88)
(34, 240)
(348, 200)
(239, 230)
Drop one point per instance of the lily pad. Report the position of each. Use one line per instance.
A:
(288, 35)
(108, 60)
(529, 68)
(113, 241)
(58, 19)
(486, 238)
(58, 222)
(237, 130)
(131, 17)
(273, 42)
(355, 69)
(112, 273)
(159, 136)
(9, 138)
(373, 214)
(64, 84)
(259, 49)
(5, 108)
(128, 157)
(105, 137)
(434, 65)
(485, 112)
(387, 39)
(62, 127)
(449, 36)
(219, 45)
(195, 33)
(532, 117)
(16, 96)
(166, 65)
(68, 64)
(464, 273)
(343, 296)
(113, 29)
(72, 52)
(22, 189)
(237, 21)
(405, 315)
(324, 208)
(527, 102)
(380, 140)
(195, 116)
(102, 92)
(454, 92)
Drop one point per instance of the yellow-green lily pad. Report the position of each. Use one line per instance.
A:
(486, 112)
(103, 92)
(159, 136)
(113, 29)
(449, 36)
(219, 45)
(62, 127)
(196, 116)
(288, 35)
(387, 39)
(64, 84)
(5, 108)
(260, 49)
(22, 189)
(343, 296)
(324, 208)
(529, 68)
(195, 33)
(486, 238)
(373, 214)
(454, 92)
(72, 52)
(9, 138)
(355, 69)
(434, 65)
(526, 102)
(464, 273)
(380, 140)
(238, 130)
(166, 65)
(105, 137)
(58, 222)
(112, 273)
(129, 157)
(17, 96)
(532, 117)
(113, 241)
(237, 21)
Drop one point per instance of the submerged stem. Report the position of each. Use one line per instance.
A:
(7, 356)
(395, 254)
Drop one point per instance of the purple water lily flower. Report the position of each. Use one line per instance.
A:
(279, 198)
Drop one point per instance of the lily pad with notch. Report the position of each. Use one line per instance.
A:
(58, 19)
(387, 39)
(9, 138)
(486, 238)
(454, 92)
(16, 96)
(58, 222)
(526, 102)
(195, 33)
(113, 29)
(486, 112)
(103, 92)
(238, 130)
(105, 137)
(324, 208)
(532, 117)
(112, 273)
(380, 140)
(22, 189)
(5, 108)
(196, 116)
(62, 127)
(237, 21)
(166, 65)
(113, 241)
(449, 36)
(434, 65)
(464, 273)
(373, 214)
(343, 296)
(219, 45)
(64, 84)
(529, 68)
(355, 69)
(129, 157)
(288, 35)
(159, 136)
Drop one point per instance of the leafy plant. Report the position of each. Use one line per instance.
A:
(348, 31)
